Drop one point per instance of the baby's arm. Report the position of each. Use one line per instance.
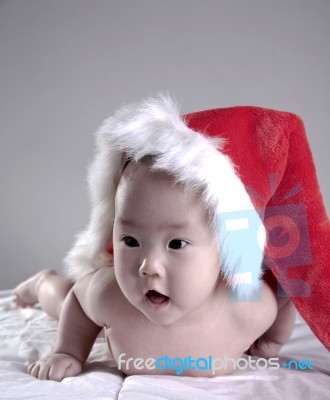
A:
(269, 344)
(75, 338)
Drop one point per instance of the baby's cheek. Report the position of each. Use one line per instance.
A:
(185, 282)
(126, 282)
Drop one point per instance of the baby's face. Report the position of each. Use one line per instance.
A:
(165, 256)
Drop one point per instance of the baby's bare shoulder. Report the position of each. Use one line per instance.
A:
(94, 292)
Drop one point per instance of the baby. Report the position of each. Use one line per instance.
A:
(165, 294)
(168, 292)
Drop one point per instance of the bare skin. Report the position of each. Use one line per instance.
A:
(47, 288)
(164, 296)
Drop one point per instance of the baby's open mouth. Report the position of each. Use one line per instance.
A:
(156, 297)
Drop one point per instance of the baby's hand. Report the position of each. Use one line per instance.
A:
(55, 367)
(264, 347)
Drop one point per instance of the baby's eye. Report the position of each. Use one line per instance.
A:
(130, 241)
(177, 244)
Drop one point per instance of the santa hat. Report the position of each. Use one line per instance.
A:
(252, 165)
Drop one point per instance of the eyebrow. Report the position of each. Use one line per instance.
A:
(136, 224)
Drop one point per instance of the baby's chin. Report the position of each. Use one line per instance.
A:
(167, 317)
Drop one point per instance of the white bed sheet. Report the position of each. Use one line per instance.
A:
(27, 334)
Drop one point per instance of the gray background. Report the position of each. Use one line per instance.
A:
(67, 64)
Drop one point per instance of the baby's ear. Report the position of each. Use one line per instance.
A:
(109, 248)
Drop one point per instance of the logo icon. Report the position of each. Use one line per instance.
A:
(288, 242)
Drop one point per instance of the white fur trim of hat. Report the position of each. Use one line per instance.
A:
(154, 127)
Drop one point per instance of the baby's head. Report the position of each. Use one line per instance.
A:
(192, 160)
(166, 255)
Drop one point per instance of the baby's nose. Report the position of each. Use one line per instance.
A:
(151, 266)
